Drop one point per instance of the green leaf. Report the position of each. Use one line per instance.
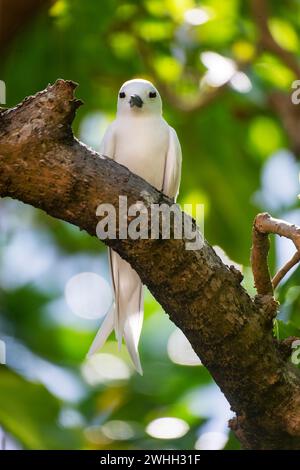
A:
(284, 34)
(274, 72)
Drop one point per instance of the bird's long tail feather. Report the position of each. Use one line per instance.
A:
(114, 275)
(133, 326)
(126, 314)
(104, 332)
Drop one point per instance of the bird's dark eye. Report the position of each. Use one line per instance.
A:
(122, 94)
(152, 94)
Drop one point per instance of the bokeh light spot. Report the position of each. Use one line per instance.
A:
(167, 428)
(118, 430)
(101, 368)
(196, 16)
(88, 295)
(211, 441)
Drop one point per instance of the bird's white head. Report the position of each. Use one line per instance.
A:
(139, 97)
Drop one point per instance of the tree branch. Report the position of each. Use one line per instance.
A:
(263, 225)
(289, 114)
(259, 262)
(285, 269)
(280, 102)
(260, 11)
(44, 165)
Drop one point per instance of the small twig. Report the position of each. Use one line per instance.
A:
(259, 262)
(263, 225)
(285, 269)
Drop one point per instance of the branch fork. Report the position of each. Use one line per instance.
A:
(264, 225)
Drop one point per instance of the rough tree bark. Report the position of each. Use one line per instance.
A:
(42, 164)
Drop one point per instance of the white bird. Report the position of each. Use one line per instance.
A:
(142, 140)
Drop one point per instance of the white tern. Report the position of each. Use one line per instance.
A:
(142, 140)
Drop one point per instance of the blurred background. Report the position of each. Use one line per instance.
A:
(225, 72)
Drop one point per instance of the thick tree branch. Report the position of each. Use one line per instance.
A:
(43, 165)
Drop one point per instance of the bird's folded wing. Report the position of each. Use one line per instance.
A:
(108, 144)
(172, 172)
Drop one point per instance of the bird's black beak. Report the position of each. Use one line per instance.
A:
(136, 100)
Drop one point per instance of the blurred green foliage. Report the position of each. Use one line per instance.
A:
(227, 147)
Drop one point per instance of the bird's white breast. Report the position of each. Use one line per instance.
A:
(142, 145)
